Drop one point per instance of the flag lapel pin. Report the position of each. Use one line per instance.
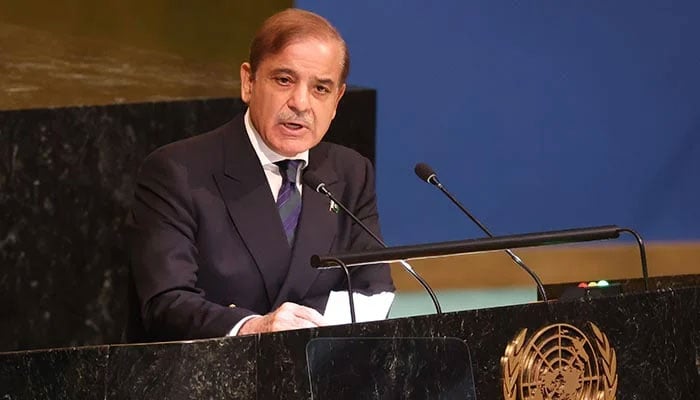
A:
(333, 207)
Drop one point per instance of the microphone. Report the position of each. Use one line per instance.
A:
(313, 181)
(427, 174)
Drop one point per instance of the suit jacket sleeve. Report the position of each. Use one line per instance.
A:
(162, 228)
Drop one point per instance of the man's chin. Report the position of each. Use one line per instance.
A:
(292, 147)
(291, 151)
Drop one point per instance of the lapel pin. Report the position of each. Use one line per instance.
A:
(333, 207)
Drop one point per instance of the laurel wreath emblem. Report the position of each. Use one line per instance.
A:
(608, 361)
(520, 350)
(511, 365)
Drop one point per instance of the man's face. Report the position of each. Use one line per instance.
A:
(294, 94)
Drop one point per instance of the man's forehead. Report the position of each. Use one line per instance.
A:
(275, 65)
(335, 50)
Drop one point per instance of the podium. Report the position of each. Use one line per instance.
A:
(638, 345)
(390, 367)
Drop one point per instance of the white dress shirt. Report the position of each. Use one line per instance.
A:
(268, 158)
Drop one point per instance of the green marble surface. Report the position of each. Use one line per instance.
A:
(407, 304)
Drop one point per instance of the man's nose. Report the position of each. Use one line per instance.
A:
(299, 100)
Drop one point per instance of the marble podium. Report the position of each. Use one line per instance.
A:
(652, 337)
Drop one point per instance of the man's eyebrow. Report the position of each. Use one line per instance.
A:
(327, 82)
(283, 71)
(323, 81)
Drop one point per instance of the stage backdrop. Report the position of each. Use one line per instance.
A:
(537, 115)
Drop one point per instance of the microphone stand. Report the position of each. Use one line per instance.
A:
(321, 188)
(515, 258)
(351, 301)
(642, 255)
(427, 174)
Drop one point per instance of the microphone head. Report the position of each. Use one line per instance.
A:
(426, 173)
(312, 180)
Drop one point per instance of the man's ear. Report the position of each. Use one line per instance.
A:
(341, 92)
(246, 82)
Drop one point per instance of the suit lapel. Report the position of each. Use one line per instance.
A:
(315, 233)
(252, 208)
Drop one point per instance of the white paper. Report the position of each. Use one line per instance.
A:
(367, 308)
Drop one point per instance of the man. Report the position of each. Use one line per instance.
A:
(218, 244)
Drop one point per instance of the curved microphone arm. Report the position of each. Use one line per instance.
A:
(351, 301)
(406, 266)
(427, 174)
(515, 258)
(642, 255)
(533, 275)
(320, 187)
(423, 283)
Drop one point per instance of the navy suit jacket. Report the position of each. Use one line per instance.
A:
(207, 246)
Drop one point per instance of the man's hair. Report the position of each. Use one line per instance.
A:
(292, 24)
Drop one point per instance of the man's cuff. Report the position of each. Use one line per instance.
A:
(237, 327)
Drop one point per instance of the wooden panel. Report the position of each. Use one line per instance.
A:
(553, 265)
(205, 31)
(84, 52)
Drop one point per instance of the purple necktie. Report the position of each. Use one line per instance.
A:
(289, 198)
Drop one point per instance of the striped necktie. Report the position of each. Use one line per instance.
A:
(289, 198)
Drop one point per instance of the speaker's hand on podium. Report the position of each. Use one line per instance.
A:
(288, 316)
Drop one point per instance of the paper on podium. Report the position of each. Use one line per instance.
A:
(367, 308)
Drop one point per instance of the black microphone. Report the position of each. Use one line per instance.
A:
(426, 173)
(317, 184)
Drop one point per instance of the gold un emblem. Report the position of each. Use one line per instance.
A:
(559, 362)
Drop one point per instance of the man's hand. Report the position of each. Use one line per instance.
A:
(288, 316)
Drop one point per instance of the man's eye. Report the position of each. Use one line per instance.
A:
(322, 89)
(283, 80)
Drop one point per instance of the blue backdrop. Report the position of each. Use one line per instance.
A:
(538, 115)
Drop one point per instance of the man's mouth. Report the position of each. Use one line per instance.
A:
(293, 125)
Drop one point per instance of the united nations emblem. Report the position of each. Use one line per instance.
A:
(559, 362)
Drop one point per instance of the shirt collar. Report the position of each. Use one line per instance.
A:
(266, 155)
